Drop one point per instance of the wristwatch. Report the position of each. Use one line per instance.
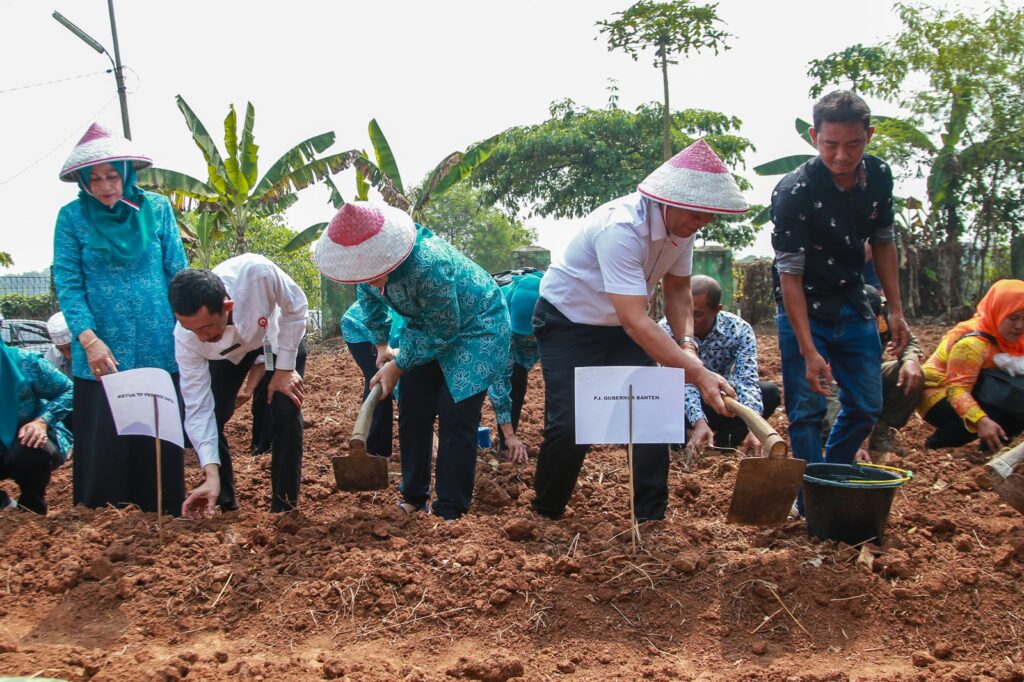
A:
(689, 341)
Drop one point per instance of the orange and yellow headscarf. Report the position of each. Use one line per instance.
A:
(1003, 298)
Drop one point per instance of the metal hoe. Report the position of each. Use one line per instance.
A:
(766, 487)
(360, 470)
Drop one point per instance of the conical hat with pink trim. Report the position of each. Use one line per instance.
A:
(695, 179)
(99, 145)
(364, 241)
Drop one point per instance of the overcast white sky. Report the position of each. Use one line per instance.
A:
(438, 76)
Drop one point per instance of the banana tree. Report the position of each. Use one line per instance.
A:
(382, 173)
(232, 194)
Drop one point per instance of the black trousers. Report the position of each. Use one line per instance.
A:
(285, 429)
(424, 397)
(950, 431)
(262, 436)
(564, 346)
(30, 468)
(120, 470)
(730, 431)
(379, 439)
(519, 379)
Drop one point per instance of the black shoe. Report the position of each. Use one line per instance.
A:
(228, 505)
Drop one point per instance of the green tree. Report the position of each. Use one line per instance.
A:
(671, 29)
(961, 77)
(232, 193)
(265, 236)
(484, 233)
(580, 158)
(5, 259)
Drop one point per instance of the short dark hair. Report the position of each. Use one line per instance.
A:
(706, 286)
(190, 290)
(841, 106)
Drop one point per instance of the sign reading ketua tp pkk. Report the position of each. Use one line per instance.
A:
(130, 394)
(602, 404)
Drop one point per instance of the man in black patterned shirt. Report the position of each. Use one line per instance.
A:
(823, 212)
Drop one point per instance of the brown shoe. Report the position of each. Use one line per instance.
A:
(883, 439)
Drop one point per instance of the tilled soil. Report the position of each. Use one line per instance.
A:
(352, 588)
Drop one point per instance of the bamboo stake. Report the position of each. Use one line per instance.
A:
(634, 526)
(159, 474)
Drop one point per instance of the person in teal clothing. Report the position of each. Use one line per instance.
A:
(115, 248)
(34, 398)
(521, 289)
(360, 344)
(454, 346)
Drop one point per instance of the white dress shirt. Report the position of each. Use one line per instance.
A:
(269, 305)
(625, 249)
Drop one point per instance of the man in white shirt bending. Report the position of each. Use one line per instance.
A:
(593, 312)
(243, 309)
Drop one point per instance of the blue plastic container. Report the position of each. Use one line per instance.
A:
(483, 437)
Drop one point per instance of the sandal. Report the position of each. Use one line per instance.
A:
(410, 508)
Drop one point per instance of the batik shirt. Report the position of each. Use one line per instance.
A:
(820, 232)
(525, 353)
(47, 394)
(951, 373)
(126, 305)
(454, 313)
(729, 349)
(353, 326)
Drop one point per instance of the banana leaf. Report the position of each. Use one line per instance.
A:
(214, 162)
(307, 236)
(763, 216)
(782, 165)
(452, 170)
(803, 128)
(182, 190)
(298, 156)
(302, 176)
(249, 149)
(231, 165)
(385, 157)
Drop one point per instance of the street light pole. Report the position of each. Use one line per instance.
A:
(119, 74)
(115, 62)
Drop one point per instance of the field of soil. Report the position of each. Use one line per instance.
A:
(351, 588)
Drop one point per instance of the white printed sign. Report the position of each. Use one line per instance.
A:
(602, 404)
(130, 394)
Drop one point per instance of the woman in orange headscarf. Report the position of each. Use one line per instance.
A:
(993, 338)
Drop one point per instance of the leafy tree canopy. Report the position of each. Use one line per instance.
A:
(482, 232)
(671, 28)
(580, 158)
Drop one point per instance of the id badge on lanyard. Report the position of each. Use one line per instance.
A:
(268, 355)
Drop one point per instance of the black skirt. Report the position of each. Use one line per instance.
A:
(108, 469)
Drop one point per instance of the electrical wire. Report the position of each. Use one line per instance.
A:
(60, 144)
(59, 80)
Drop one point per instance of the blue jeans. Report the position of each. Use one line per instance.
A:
(853, 351)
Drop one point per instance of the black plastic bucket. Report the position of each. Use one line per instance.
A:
(850, 502)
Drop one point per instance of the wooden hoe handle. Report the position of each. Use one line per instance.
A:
(362, 426)
(771, 441)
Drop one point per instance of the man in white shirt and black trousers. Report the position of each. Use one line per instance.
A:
(592, 312)
(244, 308)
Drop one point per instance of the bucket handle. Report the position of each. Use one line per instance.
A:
(905, 475)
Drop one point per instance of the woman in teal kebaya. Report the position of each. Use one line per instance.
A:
(115, 248)
(454, 346)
